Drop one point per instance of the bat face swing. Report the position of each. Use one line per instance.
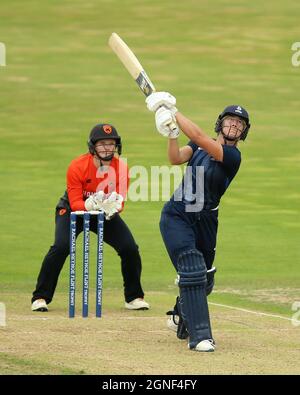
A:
(133, 66)
(131, 63)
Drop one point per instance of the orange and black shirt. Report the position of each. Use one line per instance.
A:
(84, 179)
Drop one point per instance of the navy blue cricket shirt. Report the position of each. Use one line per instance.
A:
(205, 179)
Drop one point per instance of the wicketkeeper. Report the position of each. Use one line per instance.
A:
(97, 180)
(189, 221)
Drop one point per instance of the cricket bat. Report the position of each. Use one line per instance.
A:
(133, 66)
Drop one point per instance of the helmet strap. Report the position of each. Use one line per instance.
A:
(106, 159)
(233, 139)
(227, 138)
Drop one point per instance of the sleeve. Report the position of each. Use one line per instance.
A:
(193, 146)
(123, 180)
(231, 159)
(75, 188)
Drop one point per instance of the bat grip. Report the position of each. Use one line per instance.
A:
(172, 125)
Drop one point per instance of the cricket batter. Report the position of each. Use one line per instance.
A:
(189, 221)
(97, 180)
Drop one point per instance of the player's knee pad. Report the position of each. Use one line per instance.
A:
(191, 269)
(193, 302)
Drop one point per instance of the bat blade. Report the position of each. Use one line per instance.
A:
(133, 66)
(131, 63)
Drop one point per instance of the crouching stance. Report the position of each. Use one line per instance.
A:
(97, 180)
(189, 220)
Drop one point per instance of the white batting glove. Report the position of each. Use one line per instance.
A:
(90, 204)
(163, 118)
(174, 134)
(159, 99)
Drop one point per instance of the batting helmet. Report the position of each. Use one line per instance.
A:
(104, 131)
(237, 111)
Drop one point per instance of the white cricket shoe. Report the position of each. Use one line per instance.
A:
(39, 305)
(205, 346)
(137, 304)
(172, 322)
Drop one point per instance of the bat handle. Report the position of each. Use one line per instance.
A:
(172, 126)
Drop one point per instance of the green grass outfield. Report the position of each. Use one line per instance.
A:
(61, 78)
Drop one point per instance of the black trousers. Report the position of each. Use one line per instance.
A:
(116, 234)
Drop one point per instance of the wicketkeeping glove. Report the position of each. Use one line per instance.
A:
(98, 199)
(90, 204)
(112, 204)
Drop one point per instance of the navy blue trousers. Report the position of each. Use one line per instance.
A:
(182, 231)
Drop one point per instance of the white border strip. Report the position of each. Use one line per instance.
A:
(252, 312)
(2, 314)
(2, 54)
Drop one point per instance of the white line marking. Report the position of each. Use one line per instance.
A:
(251, 311)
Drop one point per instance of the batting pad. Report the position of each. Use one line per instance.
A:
(193, 300)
